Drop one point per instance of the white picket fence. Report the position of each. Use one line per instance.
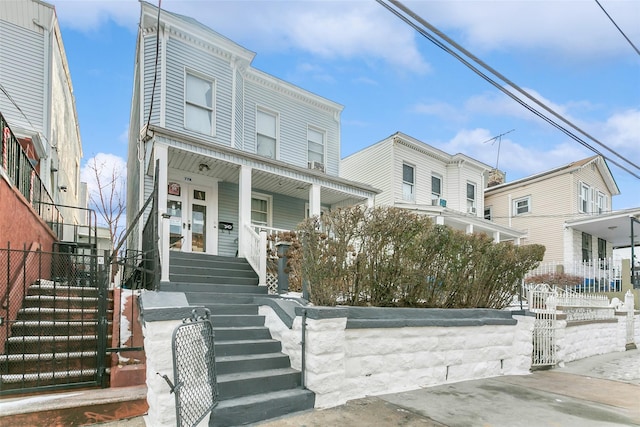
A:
(602, 275)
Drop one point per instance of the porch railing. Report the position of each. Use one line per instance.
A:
(23, 175)
(601, 275)
(255, 251)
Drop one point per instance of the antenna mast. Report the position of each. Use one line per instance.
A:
(499, 139)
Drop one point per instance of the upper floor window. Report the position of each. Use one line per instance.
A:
(315, 144)
(471, 198)
(198, 109)
(601, 202)
(522, 205)
(261, 210)
(436, 187)
(584, 198)
(488, 213)
(266, 133)
(408, 183)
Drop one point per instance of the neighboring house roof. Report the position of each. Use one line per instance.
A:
(615, 227)
(599, 161)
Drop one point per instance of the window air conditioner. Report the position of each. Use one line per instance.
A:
(472, 210)
(316, 166)
(437, 201)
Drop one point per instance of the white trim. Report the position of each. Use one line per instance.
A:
(267, 198)
(322, 132)
(521, 199)
(413, 184)
(276, 116)
(163, 76)
(201, 76)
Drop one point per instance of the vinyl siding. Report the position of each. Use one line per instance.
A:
(591, 176)
(228, 212)
(149, 71)
(239, 111)
(182, 55)
(294, 117)
(22, 73)
(373, 166)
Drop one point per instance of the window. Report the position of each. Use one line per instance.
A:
(487, 213)
(198, 110)
(408, 183)
(601, 203)
(471, 197)
(436, 187)
(602, 249)
(261, 210)
(583, 198)
(266, 140)
(522, 206)
(315, 141)
(586, 247)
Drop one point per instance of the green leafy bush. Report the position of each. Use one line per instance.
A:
(393, 257)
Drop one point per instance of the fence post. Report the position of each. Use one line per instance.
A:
(629, 305)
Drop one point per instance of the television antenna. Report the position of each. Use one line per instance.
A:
(499, 139)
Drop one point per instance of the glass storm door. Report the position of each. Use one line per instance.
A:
(196, 227)
(191, 218)
(174, 209)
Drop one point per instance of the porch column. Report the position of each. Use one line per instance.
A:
(161, 156)
(469, 229)
(314, 200)
(439, 220)
(496, 236)
(370, 202)
(244, 207)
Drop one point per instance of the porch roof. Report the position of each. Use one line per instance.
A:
(222, 162)
(614, 227)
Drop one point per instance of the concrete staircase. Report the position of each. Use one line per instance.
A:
(255, 379)
(53, 340)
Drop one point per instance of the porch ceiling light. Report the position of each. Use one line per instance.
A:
(203, 167)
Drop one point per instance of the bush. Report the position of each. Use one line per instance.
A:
(392, 257)
(561, 280)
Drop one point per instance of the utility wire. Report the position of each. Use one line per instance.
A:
(155, 71)
(16, 105)
(619, 29)
(516, 98)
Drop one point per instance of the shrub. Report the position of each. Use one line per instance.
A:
(562, 280)
(393, 257)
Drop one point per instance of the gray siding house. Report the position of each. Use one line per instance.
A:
(238, 150)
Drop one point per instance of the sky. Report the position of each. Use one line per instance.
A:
(568, 54)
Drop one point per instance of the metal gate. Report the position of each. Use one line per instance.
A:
(196, 388)
(542, 302)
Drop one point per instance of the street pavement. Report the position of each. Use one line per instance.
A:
(599, 391)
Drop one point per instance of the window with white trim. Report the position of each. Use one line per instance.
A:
(198, 99)
(471, 198)
(488, 213)
(408, 183)
(584, 197)
(315, 145)
(266, 133)
(261, 210)
(601, 202)
(522, 206)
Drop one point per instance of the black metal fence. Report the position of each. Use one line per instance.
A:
(23, 175)
(54, 311)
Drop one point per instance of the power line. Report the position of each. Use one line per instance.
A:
(619, 29)
(16, 105)
(155, 71)
(500, 87)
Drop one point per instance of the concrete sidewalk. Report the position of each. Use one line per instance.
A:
(599, 391)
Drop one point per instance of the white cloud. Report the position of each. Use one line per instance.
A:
(622, 132)
(90, 15)
(438, 109)
(107, 166)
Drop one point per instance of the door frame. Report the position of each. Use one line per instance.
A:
(188, 183)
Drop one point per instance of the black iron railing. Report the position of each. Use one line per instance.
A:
(24, 176)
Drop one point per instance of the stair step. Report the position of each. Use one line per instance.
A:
(208, 270)
(260, 407)
(36, 313)
(239, 347)
(220, 309)
(48, 287)
(252, 362)
(54, 327)
(40, 379)
(214, 287)
(230, 320)
(228, 279)
(241, 333)
(256, 382)
(43, 362)
(51, 344)
(52, 301)
(205, 298)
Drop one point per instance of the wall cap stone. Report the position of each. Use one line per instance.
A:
(160, 306)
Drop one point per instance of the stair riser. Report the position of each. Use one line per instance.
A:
(205, 298)
(250, 386)
(51, 347)
(48, 365)
(242, 334)
(226, 416)
(229, 279)
(43, 382)
(226, 349)
(62, 329)
(62, 303)
(189, 256)
(236, 309)
(58, 315)
(251, 365)
(214, 288)
(237, 321)
(63, 291)
(232, 263)
(209, 271)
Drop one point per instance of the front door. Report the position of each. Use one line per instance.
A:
(192, 226)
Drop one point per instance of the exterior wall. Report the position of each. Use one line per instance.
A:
(358, 167)
(578, 340)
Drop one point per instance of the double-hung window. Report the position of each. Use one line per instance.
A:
(266, 133)
(601, 202)
(408, 183)
(471, 198)
(315, 141)
(261, 210)
(584, 198)
(198, 110)
(586, 246)
(522, 205)
(436, 187)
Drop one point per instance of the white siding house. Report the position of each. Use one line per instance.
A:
(416, 176)
(37, 99)
(238, 149)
